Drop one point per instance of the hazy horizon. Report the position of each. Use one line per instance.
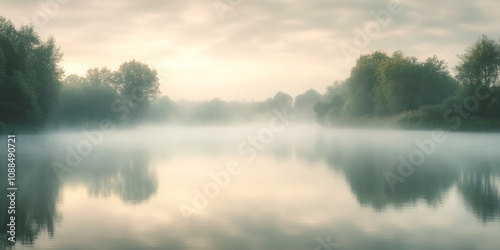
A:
(257, 49)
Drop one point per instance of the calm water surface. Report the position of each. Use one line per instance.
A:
(309, 188)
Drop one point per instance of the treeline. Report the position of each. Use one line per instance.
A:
(130, 95)
(122, 96)
(75, 109)
(398, 90)
(219, 111)
(382, 90)
(29, 76)
(100, 94)
(35, 94)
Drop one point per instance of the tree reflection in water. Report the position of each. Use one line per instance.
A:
(125, 173)
(363, 163)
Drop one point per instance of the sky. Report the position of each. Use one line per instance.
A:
(251, 49)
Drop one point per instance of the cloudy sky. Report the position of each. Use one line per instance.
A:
(250, 49)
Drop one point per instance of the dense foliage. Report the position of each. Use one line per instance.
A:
(123, 96)
(29, 76)
(382, 89)
(399, 90)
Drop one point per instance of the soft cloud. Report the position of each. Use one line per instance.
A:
(259, 48)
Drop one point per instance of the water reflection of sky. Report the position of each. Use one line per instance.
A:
(293, 193)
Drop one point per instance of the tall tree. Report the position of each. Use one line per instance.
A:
(282, 101)
(29, 75)
(307, 99)
(361, 84)
(100, 77)
(332, 103)
(480, 64)
(406, 84)
(138, 84)
(304, 104)
(81, 101)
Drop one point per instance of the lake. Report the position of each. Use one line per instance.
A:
(250, 187)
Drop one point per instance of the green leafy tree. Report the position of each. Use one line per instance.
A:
(406, 84)
(382, 85)
(47, 78)
(331, 105)
(138, 84)
(362, 83)
(162, 110)
(282, 101)
(74, 107)
(480, 64)
(306, 99)
(29, 76)
(304, 104)
(100, 77)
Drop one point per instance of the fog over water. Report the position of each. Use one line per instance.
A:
(170, 188)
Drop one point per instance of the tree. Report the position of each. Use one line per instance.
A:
(29, 76)
(20, 101)
(304, 104)
(47, 78)
(81, 101)
(480, 64)
(362, 83)
(307, 99)
(100, 77)
(385, 85)
(138, 85)
(162, 110)
(407, 84)
(282, 101)
(437, 80)
(332, 103)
